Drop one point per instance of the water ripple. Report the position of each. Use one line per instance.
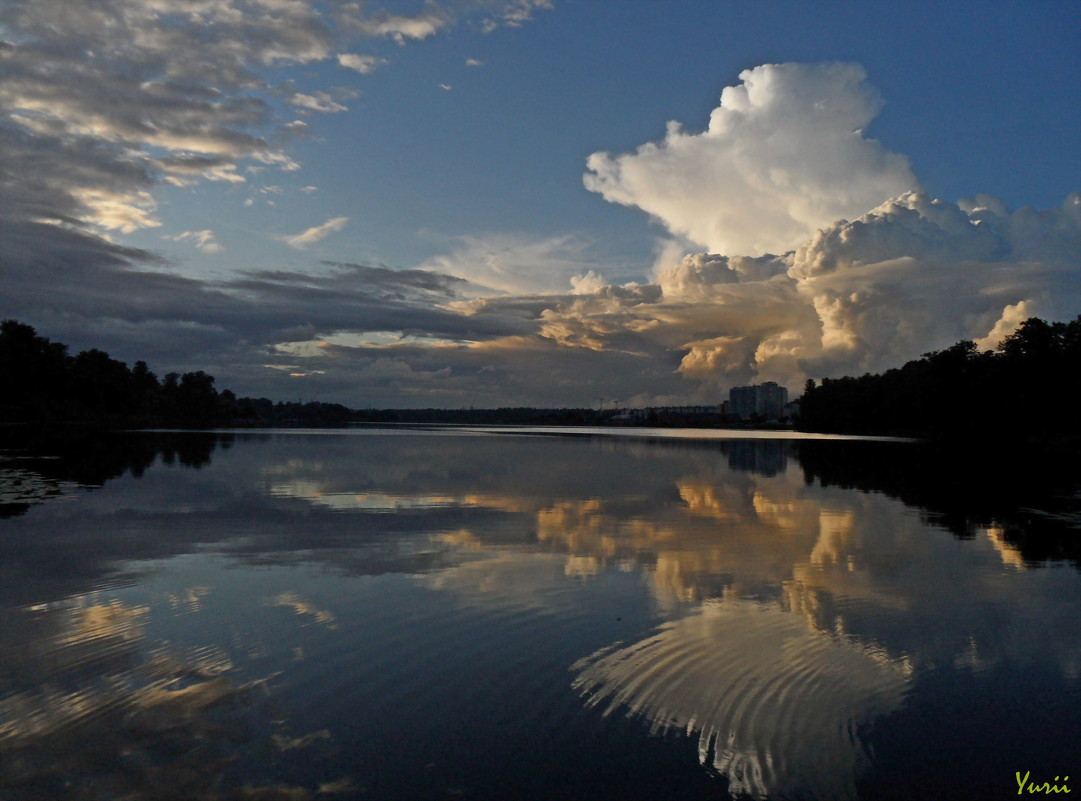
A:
(777, 706)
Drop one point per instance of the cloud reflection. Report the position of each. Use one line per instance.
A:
(305, 608)
(788, 609)
(776, 707)
(93, 707)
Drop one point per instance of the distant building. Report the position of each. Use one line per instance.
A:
(767, 400)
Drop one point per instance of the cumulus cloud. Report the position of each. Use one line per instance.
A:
(784, 154)
(316, 233)
(912, 275)
(916, 274)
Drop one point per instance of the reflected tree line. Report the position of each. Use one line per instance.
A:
(40, 462)
(1026, 388)
(1033, 501)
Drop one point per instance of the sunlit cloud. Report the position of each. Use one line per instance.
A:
(784, 154)
(110, 98)
(317, 233)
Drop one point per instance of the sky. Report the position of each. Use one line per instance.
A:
(538, 202)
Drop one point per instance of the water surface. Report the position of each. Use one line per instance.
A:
(474, 613)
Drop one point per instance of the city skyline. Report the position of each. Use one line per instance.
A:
(535, 203)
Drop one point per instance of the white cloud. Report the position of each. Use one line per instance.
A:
(396, 26)
(784, 154)
(316, 233)
(362, 64)
(514, 14)
(321, 102)
(587, 284)
(109, 98)
(917, 274)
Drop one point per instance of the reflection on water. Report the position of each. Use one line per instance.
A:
(381, 614)
(83, 698)
(776, 705)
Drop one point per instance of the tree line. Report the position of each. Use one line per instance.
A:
(41, 383)
(1028, 388)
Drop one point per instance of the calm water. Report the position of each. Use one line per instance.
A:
(435, 614)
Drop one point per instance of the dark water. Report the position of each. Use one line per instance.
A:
(407, 614)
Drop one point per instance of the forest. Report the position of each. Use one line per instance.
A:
(1026, 389)
(43, 384)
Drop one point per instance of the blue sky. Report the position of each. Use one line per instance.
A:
(440, 149)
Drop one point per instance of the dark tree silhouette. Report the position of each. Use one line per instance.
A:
(33, 373)
(1025, 389)
(41, 384)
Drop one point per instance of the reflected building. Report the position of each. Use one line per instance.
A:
(764, 457)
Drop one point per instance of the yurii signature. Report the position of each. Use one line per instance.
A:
(1024, 784)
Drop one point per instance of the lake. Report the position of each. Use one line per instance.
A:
(499, 613)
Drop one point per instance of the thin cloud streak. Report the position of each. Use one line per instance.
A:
(316, 233)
